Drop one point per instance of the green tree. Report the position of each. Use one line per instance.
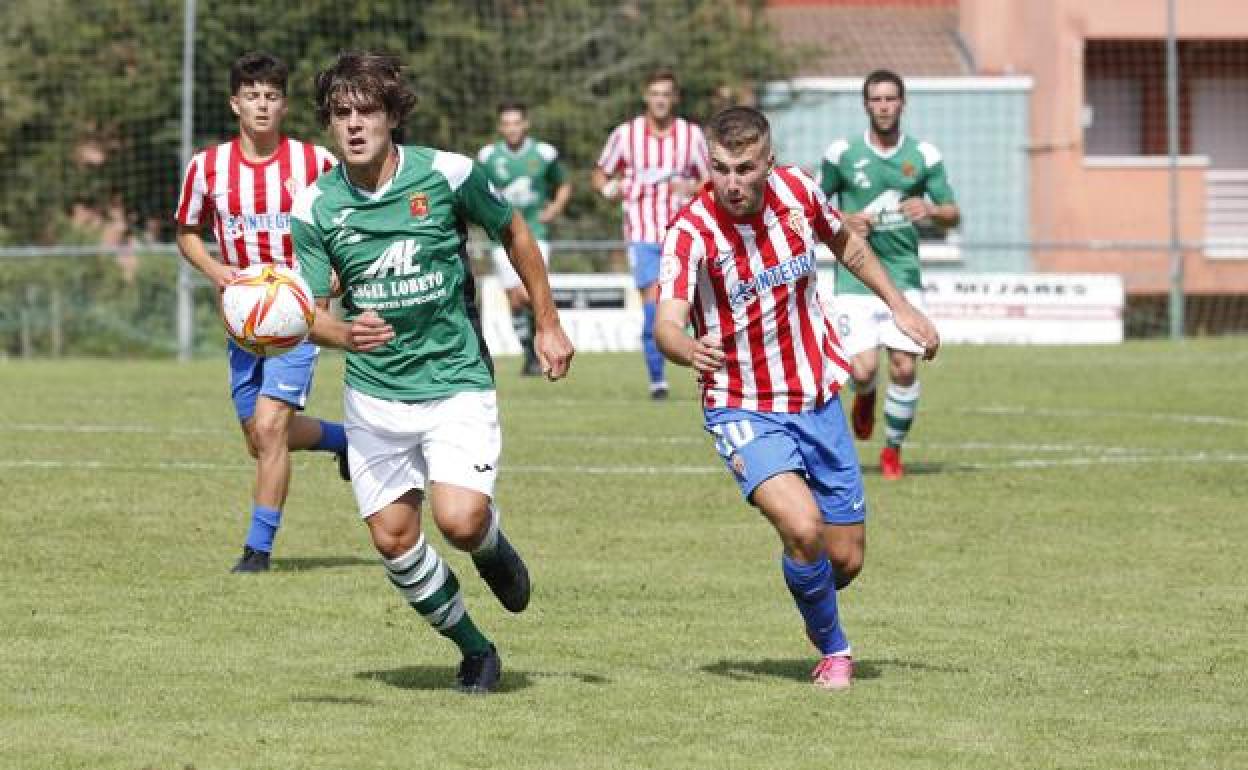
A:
(90, 92)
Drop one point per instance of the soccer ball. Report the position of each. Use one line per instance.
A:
(267, 309)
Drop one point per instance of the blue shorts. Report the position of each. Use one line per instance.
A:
(287, 377)
(758, 445)
(643, 258)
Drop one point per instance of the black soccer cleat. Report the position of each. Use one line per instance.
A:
(479, 672)
(344, 468)
(504, 572)
(252, 561)
(659, 391)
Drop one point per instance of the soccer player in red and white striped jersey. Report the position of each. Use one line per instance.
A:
(245, 189)
(652, 164)
(740, 260)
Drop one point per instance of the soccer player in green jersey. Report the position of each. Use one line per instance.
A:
(885, 182)
(531, 178)
(421, 409)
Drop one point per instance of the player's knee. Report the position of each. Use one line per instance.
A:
(269, 434)
(464, 527)
(805, 540)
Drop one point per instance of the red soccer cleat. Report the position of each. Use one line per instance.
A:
(863, 415)
(890, 463)
(834, 672)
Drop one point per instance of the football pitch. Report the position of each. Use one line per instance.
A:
(1059, 582)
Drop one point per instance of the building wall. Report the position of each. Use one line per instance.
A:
(982, 133)
(1071, 200)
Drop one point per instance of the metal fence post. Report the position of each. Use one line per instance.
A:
(185, 286)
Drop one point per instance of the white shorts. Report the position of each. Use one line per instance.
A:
(393, 446)
(864, 322)
(507, 276)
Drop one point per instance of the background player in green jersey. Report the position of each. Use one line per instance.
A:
(421, 409)
(531, 178)
(885, 182)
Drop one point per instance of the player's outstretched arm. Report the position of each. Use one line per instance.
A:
(367, 331)
(194, 251)
(705, 354)
(857, 257)
(554, 349)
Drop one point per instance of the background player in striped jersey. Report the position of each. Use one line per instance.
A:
(420, 400)
(652, 164)
(888, 181)
(741, 260)
(530, 176)
(244, 188)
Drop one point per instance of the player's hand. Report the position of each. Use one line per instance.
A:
(859, 224)
(685, 187)
(919, 328)
(222, 275)
(707, 355)
(368, 331)
(547, 214)
(611, 190)
(916, 209)
(554, 351)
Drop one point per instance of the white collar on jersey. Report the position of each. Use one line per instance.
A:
(373, 195)
(885, 154)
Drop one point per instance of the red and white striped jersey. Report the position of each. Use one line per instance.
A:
(249, 203)
(647, 163)
(752, 284)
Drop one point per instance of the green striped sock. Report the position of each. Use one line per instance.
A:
(900, 404)
(431, 588)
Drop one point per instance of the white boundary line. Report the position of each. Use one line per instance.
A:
(643, 470)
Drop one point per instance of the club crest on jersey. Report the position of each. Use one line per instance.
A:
(907, 169)
(292, 187)
(418, 204)
(797, 221)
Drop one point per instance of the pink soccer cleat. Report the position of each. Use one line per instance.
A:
(834, 672)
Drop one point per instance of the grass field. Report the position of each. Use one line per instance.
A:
(1059, 582)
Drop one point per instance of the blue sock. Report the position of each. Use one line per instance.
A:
(654, 359)
(814, 592)
(333, 437)
(264, 524)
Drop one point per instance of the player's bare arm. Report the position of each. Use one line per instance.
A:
(857, 257)
(607, 186)
(195, 251)
(554, 349)
(944, 215)
(554, 209)
(367, 331)
(704, 354)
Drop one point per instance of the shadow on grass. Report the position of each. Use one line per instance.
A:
(799, 669)
(324, 562)
(914, 469)
(443, 677)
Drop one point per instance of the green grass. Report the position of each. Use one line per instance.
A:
(1058, 583)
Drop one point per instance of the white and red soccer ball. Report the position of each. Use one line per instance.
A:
(268, 309)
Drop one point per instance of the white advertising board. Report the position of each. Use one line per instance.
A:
(601, 312)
